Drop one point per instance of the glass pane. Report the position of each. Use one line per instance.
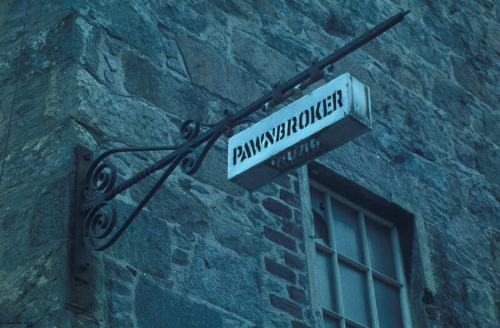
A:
(320, 228)
(330, 323)
(317, 200)
(388, 306)
(379, 242)
(354, 294)
(346, 229)
(324, 279)
(320, 224)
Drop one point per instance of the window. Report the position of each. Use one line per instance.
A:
(358, 271)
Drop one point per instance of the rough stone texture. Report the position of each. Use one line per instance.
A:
(109, 74)
(157, 307)
(285, 305)
(279, 270)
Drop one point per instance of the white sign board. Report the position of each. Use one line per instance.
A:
(327, 117)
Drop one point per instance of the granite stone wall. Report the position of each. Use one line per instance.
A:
(205, 252)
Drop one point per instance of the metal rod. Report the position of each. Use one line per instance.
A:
(327, 61)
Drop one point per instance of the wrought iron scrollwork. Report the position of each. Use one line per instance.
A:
(97, 225)
(101, 179)
(101, 225)
(190, 129)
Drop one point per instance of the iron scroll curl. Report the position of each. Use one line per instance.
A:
(101, 227)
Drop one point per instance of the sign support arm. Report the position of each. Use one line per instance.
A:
(95, 223)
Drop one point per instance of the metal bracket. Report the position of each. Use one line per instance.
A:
(81, 254)
(96, 226)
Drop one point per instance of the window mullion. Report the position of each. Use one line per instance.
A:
(335, 261)
(369, 276)
(400, 276)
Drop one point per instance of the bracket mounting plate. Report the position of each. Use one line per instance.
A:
(81, 254)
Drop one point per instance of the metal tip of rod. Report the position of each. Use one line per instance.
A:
(406, 12)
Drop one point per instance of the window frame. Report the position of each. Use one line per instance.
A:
(369, 272)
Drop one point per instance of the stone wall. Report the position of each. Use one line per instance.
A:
(206, 253)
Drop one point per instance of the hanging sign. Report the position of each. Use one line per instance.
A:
(326, 118)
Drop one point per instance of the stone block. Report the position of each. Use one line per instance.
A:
(279, 238)
(254, 55)
(56, 11)
(277, 208)
(472, 79)
(117, 271)
(36, 156)
(145, 80)
(233, 7)
(32, 281)
(279, 270)
(303, 280)
(487, 162)
(180, 257)
(295, 49)
(121, 119)
(210, 70)
(174, 205)
(447, 95)
(8, 62)
(177, 17)
(294, 261)
(64, 42)
(184, 239)
(286, 305)
(48, 42)
(29, 105)
(54, 202)
(118, 287)
(146, 244)
(214, 172)
(259, 216)
(299, 324)
(12, 13)
(297, 294)
(121, 320)
(223, 278)
(158, 307)
(119, 280)
(284, 181)
(118, 305)
(237, 235)
(129, 22)
(291, 199)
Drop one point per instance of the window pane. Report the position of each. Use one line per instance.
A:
(379, 240)
(317, 200)
(388, 306)
(354, 293)
(346, 229)
(320, 224)
(324, 278)
(330, 323)
(320, 228)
